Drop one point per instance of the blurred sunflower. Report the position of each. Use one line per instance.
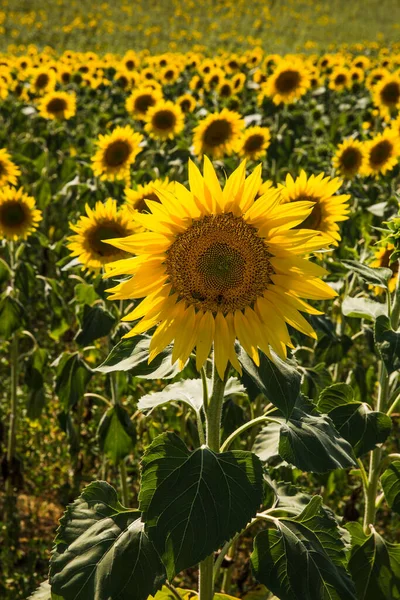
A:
(220, 266)
(382, 259)
(18, 215)
(289, 81)
(254, 142)
(57, 105)
(382, 153)
(170, 74)
(218, 134)
(386, 94)
(105, 222)
(238, 82)
(8, 170)
(139, 102)
(327, 210)
(374, 76)
(116, 152)
(136, 198)
(225, 88)
(349, 158)
(187, 103)
(42, 80)
(339, 79)
(164, 121)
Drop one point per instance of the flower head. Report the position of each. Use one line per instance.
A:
(18, 214)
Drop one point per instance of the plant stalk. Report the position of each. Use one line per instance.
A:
(12, 431)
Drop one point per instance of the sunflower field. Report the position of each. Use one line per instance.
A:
(199, 305)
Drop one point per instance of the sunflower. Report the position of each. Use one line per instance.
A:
(225, 88)
(164, 120)
(106, 221)
(170, 74)
(218, 134)
(18, 215)
(57, 105)
(349, 158)
(289, 81)
(339, 79)
(386, 94)
(136, 199)
(264, 188)
(382, 259)
(130, 61)
(42, 80)
(219, 266)
(374, 76)
(139, 102)
(196, 83)
(382, 153)
(254, 142)
(116, 152)
(187, 103)
(238, 82)
(8, 170)
(327, 210)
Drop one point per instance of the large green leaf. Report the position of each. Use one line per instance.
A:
(96, 323)
(374, 565)
(363, 308)
(379, 276)
(307, 440)
(279, 381)
(303, 558)
(388, 343)
(390, 480)
(288, 497)
(116, 434)
(192, 502)
(102, 551)
(44, 593)
(11, 316)
(72, 379)
(133, 355)
(355, 421)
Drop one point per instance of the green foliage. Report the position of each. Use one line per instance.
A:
(390, 480)
(388, 343)
(96, 323)
(116, 434)
(72, 378)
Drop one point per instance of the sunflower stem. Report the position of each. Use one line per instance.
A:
(213, 413)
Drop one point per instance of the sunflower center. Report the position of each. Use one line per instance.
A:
(104, 231)
(12, 214)
(42, 80)
(313, 221)
(219, 264)
(340, 79)
(164, 120)
(143, 102)
(56, 105)
(117, 153)
(217, 133)
(3, 169)
(225, 90)
(185, 105)
(380, 153)
(253, 143)
(351, 158)
(287, 81)
(141, 205)
(390, 93)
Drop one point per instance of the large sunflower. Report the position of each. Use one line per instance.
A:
(386, 94)
(106, 221)
(254, 142)
(8, 170)
(165, 120)
(57, 105)
(139, 102)
(349, 158)
(116, 152)
(18, 215)
(218, 134)
(327, 210)
(382, 153)
(136, 199)
(289, 81)
(216, 265)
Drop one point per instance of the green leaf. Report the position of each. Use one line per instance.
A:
(379, 277)
(288, 497)
(362, 427)
(33, 379)
(390, 480)
(102, 551)
(388, 343)
(11, 316)
(44, 593)
(308, 441)
(363, 308)
(279, 381)
(304, 557)
(5, 271)
(85, 294)
(133, 355)
(193, 502)
(97, 322)
(374, 565)
(116, 434)
(71, 381)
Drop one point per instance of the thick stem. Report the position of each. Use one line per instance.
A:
(12, 431)
(213, 414)
(227, 578)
